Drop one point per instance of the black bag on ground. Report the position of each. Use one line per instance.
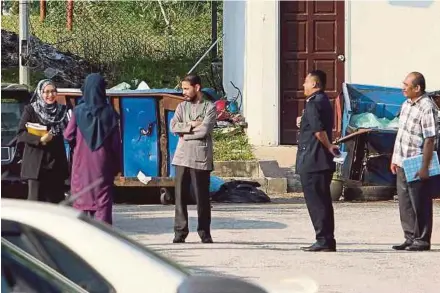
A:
(239, 191)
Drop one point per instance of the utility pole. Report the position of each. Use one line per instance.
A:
(24, 73)
(214, 29)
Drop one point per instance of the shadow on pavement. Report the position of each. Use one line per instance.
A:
(163, 225)
(279, 246)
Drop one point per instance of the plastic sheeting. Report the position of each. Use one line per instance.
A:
(369, 120)
(215, 183)
(236, 191)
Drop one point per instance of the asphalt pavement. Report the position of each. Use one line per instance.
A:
(260, 242)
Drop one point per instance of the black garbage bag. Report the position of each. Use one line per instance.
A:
(240, 191)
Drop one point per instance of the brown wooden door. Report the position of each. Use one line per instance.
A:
(312, 37)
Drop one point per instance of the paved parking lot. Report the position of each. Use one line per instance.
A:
(261, 242)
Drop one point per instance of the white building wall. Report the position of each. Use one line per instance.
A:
(385, 40)
(389, 39)
(261, 82)
(233, 46)
(250, 60)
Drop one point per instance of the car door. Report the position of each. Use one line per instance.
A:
(56, 255)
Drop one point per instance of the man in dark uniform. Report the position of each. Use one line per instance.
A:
(314, 162)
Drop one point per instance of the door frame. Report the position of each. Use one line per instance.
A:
(347, 54)
(347, 40)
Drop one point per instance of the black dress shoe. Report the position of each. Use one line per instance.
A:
(418, 247)
(318, 248)
(178, 239)
(207, 240)
(402, 246)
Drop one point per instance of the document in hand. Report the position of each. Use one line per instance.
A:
(36, 129)
(412, 165)
(341, 158)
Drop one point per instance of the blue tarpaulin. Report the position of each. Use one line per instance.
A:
(371, 151)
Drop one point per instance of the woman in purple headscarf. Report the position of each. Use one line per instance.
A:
(94, 131)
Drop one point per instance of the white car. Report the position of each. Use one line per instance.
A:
(91, 254)
(65, 248)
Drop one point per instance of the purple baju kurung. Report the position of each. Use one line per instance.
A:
(89, 166)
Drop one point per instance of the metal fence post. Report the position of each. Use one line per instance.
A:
(69, 14)
(42, 10)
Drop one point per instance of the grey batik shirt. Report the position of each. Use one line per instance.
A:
(195, 148)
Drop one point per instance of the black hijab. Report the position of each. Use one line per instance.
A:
(95, 118)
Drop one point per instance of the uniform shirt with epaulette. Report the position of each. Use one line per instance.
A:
(312, 155)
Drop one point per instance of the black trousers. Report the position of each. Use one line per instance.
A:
(415, 207)
(316, 188)
(199, 179)
(48, 187)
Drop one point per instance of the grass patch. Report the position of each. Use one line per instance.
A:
(232, 146)
(128, 40)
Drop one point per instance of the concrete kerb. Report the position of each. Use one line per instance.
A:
(248, 169)
(293, 180)
(268, 173)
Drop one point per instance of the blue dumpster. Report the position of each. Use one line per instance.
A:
(172, 144)
(148, 145)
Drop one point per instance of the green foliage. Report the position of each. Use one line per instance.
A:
(10, 75)
(232, 146)
(129, 39)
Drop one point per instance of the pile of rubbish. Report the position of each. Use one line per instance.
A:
(228, 114)
(228, 111)
(9, 47)
(239, 191)
(369, 120)
(235, 191)
(66, 69)
(126, 86)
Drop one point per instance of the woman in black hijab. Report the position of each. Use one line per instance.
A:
(94, 129)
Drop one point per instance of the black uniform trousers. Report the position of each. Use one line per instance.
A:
(199, 179)
(316, 188)
(48, 187)
(415, 207)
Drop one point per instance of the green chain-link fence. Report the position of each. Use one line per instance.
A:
(155, 41)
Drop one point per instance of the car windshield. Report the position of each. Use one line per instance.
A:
(11, 113)
(120, 236)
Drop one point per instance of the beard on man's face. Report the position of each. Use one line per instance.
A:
(190, 97)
